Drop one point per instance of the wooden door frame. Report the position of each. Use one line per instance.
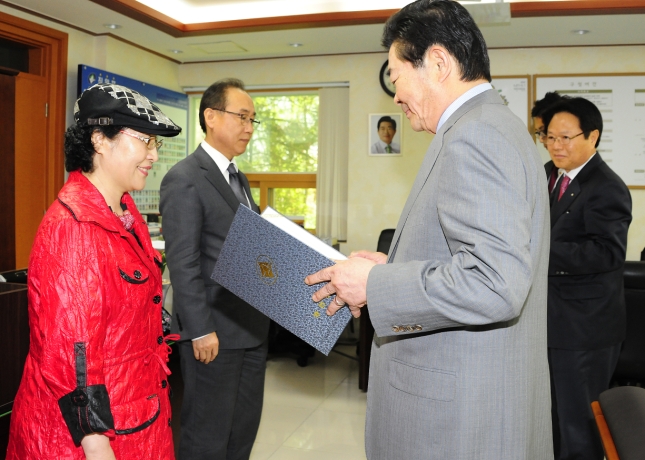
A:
(48, 58)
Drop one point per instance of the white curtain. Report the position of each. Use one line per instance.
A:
(333, 150)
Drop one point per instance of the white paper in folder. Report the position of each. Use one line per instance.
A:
(302, 235)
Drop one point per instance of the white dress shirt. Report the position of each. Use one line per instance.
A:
(461, 100)
(222, 163)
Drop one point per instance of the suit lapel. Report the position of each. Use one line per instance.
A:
(216, 178)
(573, 191)
(430, 159)
(570, 195)
(422, 177)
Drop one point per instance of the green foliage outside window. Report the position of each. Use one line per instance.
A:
(286, 141)
(287, 138)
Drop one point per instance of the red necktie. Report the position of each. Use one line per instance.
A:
(553, 178)
(563, 186)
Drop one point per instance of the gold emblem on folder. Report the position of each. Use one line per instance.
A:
(320, 305)
(266, 270)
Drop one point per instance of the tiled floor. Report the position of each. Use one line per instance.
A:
(315, 412)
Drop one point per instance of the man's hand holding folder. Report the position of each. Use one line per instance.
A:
(347, 279)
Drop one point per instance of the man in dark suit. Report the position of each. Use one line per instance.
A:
(590, 215)
(223, 339)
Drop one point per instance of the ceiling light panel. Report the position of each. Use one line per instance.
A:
(199, 11)
(221, 47)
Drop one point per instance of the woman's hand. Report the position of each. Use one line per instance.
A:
(97, 447)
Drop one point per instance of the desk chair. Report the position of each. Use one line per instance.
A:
(630, 369)
(620, 416)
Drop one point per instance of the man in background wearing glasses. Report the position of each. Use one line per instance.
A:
(539, 107)
(223, 343)
(590, 215)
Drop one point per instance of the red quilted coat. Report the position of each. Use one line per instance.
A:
(97, 358)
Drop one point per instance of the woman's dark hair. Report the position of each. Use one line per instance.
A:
(79, 151)
(215, 97)
(424, 23)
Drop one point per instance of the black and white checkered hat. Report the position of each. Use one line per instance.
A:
(118, 105)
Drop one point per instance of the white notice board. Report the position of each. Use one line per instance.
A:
(515, 91)
(621, 100)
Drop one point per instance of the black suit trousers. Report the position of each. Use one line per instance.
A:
(577, 379)
(222, 403)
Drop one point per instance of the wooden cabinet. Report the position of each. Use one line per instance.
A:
(14, 340)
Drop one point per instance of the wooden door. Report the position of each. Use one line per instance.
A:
(31, 148)
(30, 161)
(7, 169)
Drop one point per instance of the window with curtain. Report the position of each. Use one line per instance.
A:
(281, 160)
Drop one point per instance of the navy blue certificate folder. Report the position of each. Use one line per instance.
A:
(266, 267)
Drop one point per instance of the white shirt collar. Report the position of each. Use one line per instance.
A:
(220, 160)
(461, 100)
(574, 172)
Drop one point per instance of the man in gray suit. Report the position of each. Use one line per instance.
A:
(459, 360)
(223, 339)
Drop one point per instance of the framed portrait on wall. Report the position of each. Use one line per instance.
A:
(384, 134)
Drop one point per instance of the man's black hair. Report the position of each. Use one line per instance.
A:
(386, 119)
(540, 106)
(215, 97)
(424, 23)
(584, 110)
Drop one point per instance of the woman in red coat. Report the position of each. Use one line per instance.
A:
(95, 380)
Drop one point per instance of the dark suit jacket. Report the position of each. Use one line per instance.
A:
(198, 206)
(586, 306)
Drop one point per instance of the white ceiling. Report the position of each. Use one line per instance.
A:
(519, 33)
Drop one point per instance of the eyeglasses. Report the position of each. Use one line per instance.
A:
(151, 142)
(244, 118)
(540, 134)
(564, 140)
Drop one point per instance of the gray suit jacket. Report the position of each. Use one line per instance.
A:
(198, 206)
(459, 362)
